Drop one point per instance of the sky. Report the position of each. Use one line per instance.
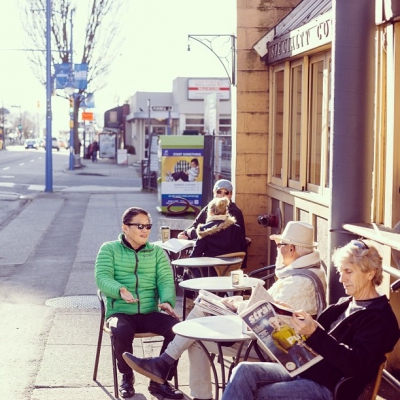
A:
(153, 54)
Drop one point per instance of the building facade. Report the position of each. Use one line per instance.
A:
(184, 110)
(317, 129)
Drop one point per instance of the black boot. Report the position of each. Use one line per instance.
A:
(154, 368)
(126, 389)
(165, 390)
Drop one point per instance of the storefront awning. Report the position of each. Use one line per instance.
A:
(305, 12)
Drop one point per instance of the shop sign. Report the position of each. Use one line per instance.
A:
(314, 34)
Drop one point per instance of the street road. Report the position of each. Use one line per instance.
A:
(48, 246)
(23, 171)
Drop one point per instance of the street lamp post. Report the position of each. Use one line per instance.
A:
(49, 160)
(70, 91)
(148, 127)
(208, 41)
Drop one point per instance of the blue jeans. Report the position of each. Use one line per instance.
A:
(270, 381)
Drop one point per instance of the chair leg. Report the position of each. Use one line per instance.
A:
(99, 341)
(115, 375)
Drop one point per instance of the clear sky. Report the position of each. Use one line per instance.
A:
(153, 54)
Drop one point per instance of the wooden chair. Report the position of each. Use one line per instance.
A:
(105, 328)
(370, 391)
(225, 270)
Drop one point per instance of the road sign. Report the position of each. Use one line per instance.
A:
(87, 116)
(161, 108)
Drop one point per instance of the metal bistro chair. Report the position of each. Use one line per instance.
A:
(105, 328)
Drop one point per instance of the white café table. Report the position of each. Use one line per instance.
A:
(205, 262)
(219, 329)
(215, 284)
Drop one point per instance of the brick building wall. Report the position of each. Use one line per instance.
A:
(254, 19)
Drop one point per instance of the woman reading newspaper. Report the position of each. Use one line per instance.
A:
(352, 337)
(296, 251)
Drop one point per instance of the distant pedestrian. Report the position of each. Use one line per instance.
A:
(94, 149)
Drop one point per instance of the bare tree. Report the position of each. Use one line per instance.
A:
(93, 35)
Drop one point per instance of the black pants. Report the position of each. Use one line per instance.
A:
(124, 327)
(180, 175)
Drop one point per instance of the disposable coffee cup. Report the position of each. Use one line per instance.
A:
(238, 278)
(165, 233)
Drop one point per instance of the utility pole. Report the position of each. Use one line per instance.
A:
(49, 159)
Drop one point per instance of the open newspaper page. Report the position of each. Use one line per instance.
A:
(215, 305)
(175, 245)
(272, 325)
(259, 293)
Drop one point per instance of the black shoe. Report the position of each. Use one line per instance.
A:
(126, 389)
(165, 390)
(153, 367)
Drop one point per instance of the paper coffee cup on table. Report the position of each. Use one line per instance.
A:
(239, 278)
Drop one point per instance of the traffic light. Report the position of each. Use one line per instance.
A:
(20, 128)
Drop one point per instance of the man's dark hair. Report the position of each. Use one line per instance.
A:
(132, 212)
(195, 160)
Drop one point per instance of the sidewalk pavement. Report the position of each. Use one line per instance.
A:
(52, 319)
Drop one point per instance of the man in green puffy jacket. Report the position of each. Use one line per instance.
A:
(137, 280)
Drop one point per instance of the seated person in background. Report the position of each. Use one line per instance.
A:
(222, 188)
(137, 280)
(187, 176)
(304, 298)
(219, 235)
(352, 336)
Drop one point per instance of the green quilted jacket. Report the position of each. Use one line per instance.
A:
(146, 274)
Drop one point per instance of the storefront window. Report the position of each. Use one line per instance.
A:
(299, 140)
(295, 134)
(315, 134)
(277, 136)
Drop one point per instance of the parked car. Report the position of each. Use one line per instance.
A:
(31, 144)
(55, 144)
(63, 143)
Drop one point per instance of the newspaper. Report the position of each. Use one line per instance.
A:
(212, 304)
(259, 293)
(215, 305)
(175, 245)
(272, 324)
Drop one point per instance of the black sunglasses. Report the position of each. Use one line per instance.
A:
(360, 244)
(225, 192)
(140, 226)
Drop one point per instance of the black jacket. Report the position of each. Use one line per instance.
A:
(355, 347)
(218, 237)
(233, 210)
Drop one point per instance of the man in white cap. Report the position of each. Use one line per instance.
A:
(222, 188)
(301, 278)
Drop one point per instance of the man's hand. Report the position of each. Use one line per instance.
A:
(169, 310)
(303, 323)
(127, 296)
(182, 235)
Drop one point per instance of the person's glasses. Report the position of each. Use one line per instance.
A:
(360, 244)
(279, 245)
(224, 192)
(140, 226)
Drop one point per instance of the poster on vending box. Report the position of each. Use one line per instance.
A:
(181, 169)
